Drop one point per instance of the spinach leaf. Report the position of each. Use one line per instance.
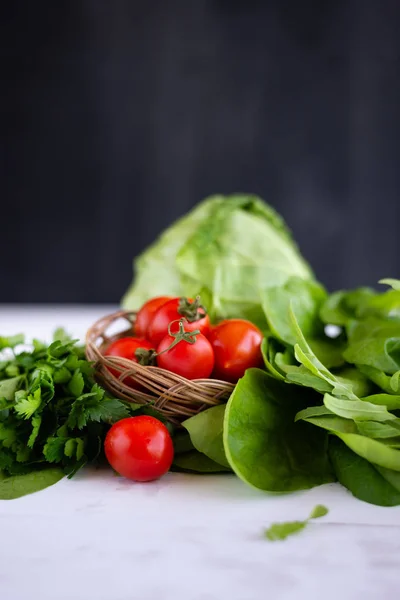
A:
(307, 358)
(393, 477)
(343, 306)
(375, 429)
(395, 382)
(269, 348)
(372, 450)
(205, 430)
(375, 343)
(390, 401)
(359, 383)
(305, 297)
(196, 462)
(300, 375)
(394, 283)
(358, 410)
(327, 421)
(360, 477)
(182, 442)
(16, 486)
(328, 351)
(379, 378)
(385, 305)
(263, 444)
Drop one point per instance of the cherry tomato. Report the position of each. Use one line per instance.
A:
(146, 313)
(126, 348)
(193, 361)
(195, 315)
(139, 448)
(236, 344)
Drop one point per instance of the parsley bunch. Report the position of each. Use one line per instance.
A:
(51, 409)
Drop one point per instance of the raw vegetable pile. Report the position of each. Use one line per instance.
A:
(307, 408)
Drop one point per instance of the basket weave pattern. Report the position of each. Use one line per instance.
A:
(174, 396)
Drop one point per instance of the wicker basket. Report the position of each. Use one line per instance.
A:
(174, 396)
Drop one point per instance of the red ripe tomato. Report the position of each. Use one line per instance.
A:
(126, 348)
(173, 310)
(190, 360)
(236, 344)
(146, 313)
(139, 448)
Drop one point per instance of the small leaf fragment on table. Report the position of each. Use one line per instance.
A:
(280, 531)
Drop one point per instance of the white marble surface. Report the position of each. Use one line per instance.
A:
(185, 537)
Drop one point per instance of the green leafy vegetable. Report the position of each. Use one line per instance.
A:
(358, 410)
(318, 512)
(263, 444)
(343, 306)
(372, 450)
(231, 247)
(280, 531)
(8, 387)
(196, 462)
(182, 442)
(375, 343)
(269, 349)
(327, 421)
(374, 429)
(305, 297)
(363, 479)
(205, 431)
(11, 341)
(16, 486)
(394, 283)
(51, 412)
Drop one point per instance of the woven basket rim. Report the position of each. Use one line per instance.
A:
(174, 396)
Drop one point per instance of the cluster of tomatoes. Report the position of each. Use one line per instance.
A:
(176, 334)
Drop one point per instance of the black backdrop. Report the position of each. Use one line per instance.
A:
(119, 116)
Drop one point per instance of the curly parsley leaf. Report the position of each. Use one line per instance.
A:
(51, 410)
(28, 405)
(11, 341)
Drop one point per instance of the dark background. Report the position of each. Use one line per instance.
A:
(118, 116)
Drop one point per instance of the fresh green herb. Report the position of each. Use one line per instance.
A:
(51, 413)
(280, 531)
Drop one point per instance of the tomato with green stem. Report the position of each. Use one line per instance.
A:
(191, 310)
(186, 353)
(131, 348)
(237, 347)
(146, 314)
(139, 448)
